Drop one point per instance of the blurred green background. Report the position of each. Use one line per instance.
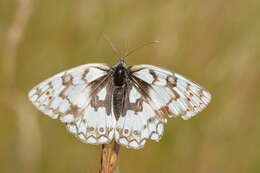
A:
(215, 43)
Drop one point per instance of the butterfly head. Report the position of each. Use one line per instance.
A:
(122, 62)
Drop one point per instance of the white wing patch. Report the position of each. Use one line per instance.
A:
(68, 96)
(171, 93)
(134, 95)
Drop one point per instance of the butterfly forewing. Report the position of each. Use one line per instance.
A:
(80, 98)
(170, 93)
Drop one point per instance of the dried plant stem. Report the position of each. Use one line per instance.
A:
(109, 158)
(14, 36)
(14, 98)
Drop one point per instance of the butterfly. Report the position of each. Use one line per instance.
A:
(99, 103)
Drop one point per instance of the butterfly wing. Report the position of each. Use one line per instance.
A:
(172, 93)
(139, 120)
(153, 93)
(81, 98)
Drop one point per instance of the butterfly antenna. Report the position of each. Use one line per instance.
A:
(111, 44)
(141, 46)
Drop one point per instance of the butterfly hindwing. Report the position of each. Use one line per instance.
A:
(138, 121)
(96, 125)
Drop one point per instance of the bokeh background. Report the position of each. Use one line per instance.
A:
(215, 43)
